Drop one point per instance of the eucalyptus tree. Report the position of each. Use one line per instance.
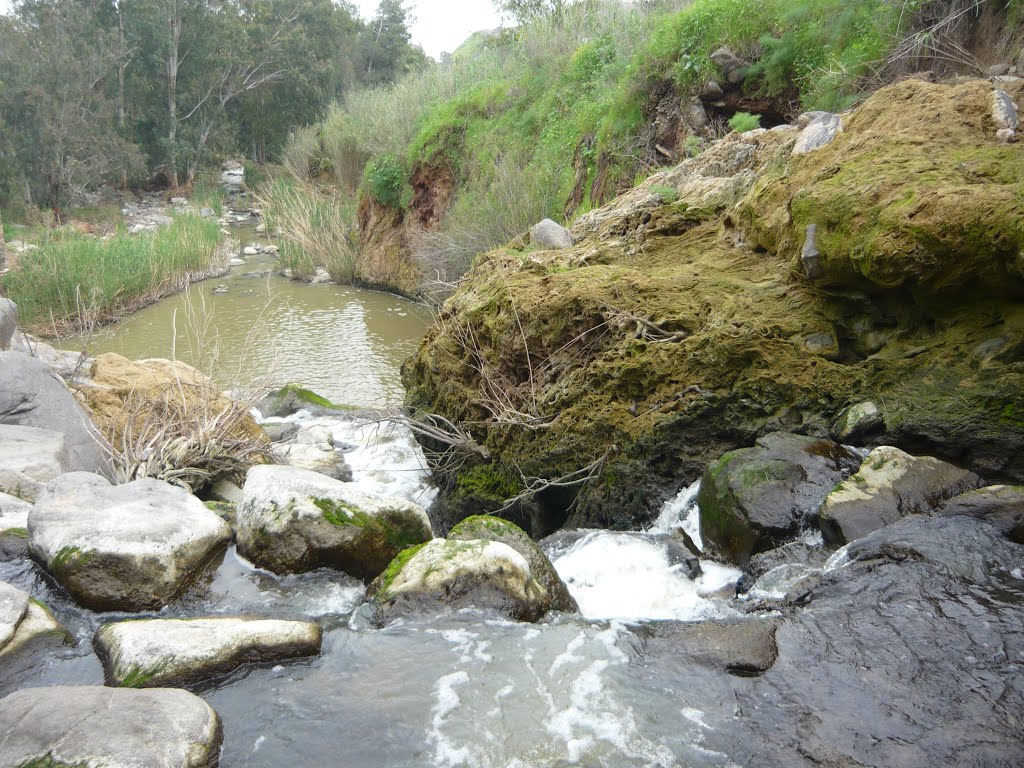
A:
(59, 65)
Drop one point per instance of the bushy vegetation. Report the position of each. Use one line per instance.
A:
(317, 228)
(96, 92)
(72, 278)
(554, 117)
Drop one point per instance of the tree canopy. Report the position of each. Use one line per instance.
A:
(118, 91)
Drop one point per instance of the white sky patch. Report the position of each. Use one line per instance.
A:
(442, 25)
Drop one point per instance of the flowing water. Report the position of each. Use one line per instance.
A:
(461, 690)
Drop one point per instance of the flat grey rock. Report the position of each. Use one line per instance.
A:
(31, 395)
(176, 652)
(124, 548)
(108, 727)
(39, 454)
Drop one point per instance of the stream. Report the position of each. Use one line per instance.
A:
(632, 681)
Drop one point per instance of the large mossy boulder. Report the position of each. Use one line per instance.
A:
(160, 653)
(490, 528)
(673, 332)
(292, 520)
(889, 485)
(448, 575)
(129, 547)
(132, 399)
(754, 499)
(112, 727)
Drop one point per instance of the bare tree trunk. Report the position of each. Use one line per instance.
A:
(122, 67)
(3, 247)
(174, 23)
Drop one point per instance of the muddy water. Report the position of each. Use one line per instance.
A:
(345, 343)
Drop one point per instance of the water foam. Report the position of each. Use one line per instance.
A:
(681, 513)
(629, 576)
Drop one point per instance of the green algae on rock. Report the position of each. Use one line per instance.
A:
(668, 335)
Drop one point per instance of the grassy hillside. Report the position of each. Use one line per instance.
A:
(560, 115)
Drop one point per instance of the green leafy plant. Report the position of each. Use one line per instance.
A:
(742, 122)
(386, 179)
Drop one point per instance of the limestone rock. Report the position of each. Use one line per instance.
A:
(127, 548)
(32, 396)
(889, 485)
(109, 727)
(550, 234)
(291, 399)
(166, 389)
(313, 449)
(753, 499)
(8, 321)
(157, 653)
(1001, 506)
(294, 520)
(856, 421)
(744, 648)
(19, 485)
(821, 129)
(732, 66)
(24, 620)
(1004, 111)
(280, 431)
(39, 454)
(445, 575)
(490, 528)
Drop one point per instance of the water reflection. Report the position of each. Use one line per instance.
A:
(346, 343)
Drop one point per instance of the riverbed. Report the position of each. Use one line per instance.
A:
(891, 663)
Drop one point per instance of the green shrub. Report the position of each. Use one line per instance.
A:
(386, 180)
(742, 122)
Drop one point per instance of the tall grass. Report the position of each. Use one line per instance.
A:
(555, 117)
(71, 273)
(317, 229)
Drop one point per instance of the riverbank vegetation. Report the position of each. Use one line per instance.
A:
(157, 92)
(563, 112)
(70, 280)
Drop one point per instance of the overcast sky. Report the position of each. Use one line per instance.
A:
(441, 25)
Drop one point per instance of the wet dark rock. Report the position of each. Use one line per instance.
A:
(891, 484)
(907, 655)
(794, 553)
(491, 528)
(755, 498)
(744, 648)
(1001, 506)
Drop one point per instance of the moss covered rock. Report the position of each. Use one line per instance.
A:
(754, 499)
(889, 485)
(448, 575)
(670, 334)
(489, 528)
(292, 520)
